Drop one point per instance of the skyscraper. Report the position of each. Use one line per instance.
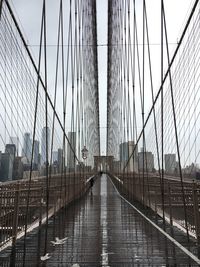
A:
(36, 152)
(132, 157)
(126, 153)
(7, 163)
(60, 160)
(145, 161)
(27, 147)
(45, 133)
(11, 149)
(123, 152)
(6, 167)
(71, 162)
(170, 163)
(15, 141)
(18, 168)
(54, 156)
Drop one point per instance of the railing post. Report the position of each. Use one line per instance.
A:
(133, 187)
(170, 204)
(170, 208)
(156, 202)
(15, 215)
(196, 212)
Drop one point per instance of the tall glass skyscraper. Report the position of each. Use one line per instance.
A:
(15, 141)
(45, 132)
(71, 162)
(36, 152)
(27, 147)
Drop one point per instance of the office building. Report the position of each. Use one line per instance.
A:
(11, 149)
(15, 141)
(71, 161)
(44, 140)
(36, 153)
(128, 155)
(123, 152)
(7, 162)
(60, 160)
(132, 157)
(18, 168)
(6, 171)
(170, 163)
(145, 161)
(27, 147)
(54, 156)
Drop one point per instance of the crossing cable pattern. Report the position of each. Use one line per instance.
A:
(163, 175)
(54, 171)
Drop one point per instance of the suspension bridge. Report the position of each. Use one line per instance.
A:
(63, 202)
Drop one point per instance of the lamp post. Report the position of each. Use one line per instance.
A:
(84, 153)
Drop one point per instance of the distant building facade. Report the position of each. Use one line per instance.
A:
(60, 160)
(54, 156)
(132, 157)
(71, 161)
(45, 138)
(11, 149)
(18, 168)
(123, 152)
(15, 141)
(170, 163)
(36, 152)
(128, 154)
(7, 163)
(145, 161)
(27, 146)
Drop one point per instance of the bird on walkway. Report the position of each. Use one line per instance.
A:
(43, 202)
(107, 253)
(45, 257)
(59, 241)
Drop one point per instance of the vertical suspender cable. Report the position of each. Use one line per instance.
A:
(47, 132)
(162, 122)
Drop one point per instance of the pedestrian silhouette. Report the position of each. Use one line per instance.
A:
(91, 182)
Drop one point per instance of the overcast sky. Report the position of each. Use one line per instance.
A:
(29, 14)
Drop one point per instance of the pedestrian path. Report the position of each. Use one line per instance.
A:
(102, 230)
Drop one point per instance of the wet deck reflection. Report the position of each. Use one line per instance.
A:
(102, 230)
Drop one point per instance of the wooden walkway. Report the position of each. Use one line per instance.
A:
(102, 230)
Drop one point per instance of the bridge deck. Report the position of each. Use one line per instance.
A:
(102, 230)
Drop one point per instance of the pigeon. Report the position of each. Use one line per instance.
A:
(106, 253)
(43, 202)
(45, 257)
(59, 241)
(62, 239)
